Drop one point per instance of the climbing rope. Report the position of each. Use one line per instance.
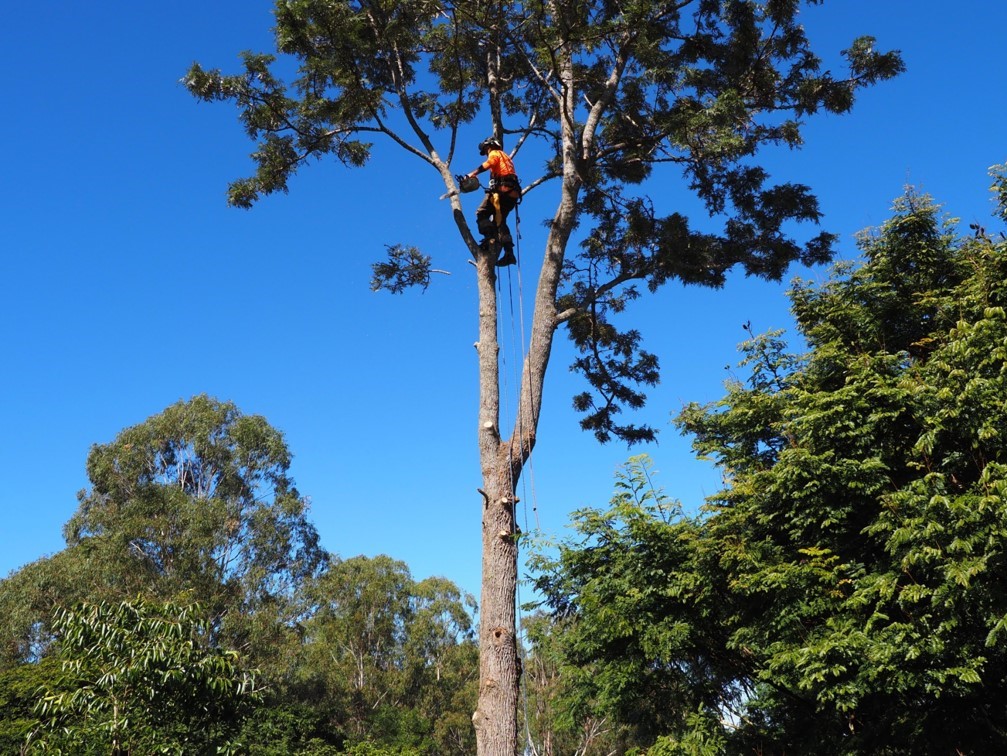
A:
(518, 357)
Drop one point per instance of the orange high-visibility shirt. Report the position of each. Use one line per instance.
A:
(499, 164)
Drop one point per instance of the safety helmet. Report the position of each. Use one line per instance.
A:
(490, 143)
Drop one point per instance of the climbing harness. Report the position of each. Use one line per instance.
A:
(510, 187)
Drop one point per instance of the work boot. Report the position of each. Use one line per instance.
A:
(508, 258)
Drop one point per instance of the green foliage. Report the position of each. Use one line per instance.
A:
(999, 189)
(200, 494)
(370, 749)
(560, 718)
(609, 93)
(845, 592)
(392, 659)
(406, 267)
(281, 727)
(704, 736)
(19, 692)
(195, 501)
(637, 619)
(139, 677)
(30, 596)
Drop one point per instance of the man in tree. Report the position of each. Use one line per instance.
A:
(611, 92)
(502, 196)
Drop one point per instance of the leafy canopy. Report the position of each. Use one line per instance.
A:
(395, 656)
(845, 592)
(140, 677)
(194, 501)
(600, 96)
(199, 499)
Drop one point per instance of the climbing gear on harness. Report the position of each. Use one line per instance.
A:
(490, 143)
(509, 185)
(502, 195)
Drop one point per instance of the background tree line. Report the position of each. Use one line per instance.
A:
(193, 610)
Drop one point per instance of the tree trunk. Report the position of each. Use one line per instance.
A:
(502, 460)
(499, 675)
(495, 718)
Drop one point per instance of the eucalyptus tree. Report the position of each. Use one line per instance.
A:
(391, 654)
(614, 93)
(195, 500)
(198, 499)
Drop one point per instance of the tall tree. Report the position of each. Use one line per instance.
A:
(391, 656)
(196, 500)
(611, 91)
(198, 497)
(846, 592)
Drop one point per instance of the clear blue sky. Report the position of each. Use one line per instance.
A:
(126, 283)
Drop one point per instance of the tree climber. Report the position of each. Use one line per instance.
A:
(502, 196)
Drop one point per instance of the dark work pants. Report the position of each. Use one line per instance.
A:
(491, 227)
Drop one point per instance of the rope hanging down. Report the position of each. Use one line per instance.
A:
(516, 364)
